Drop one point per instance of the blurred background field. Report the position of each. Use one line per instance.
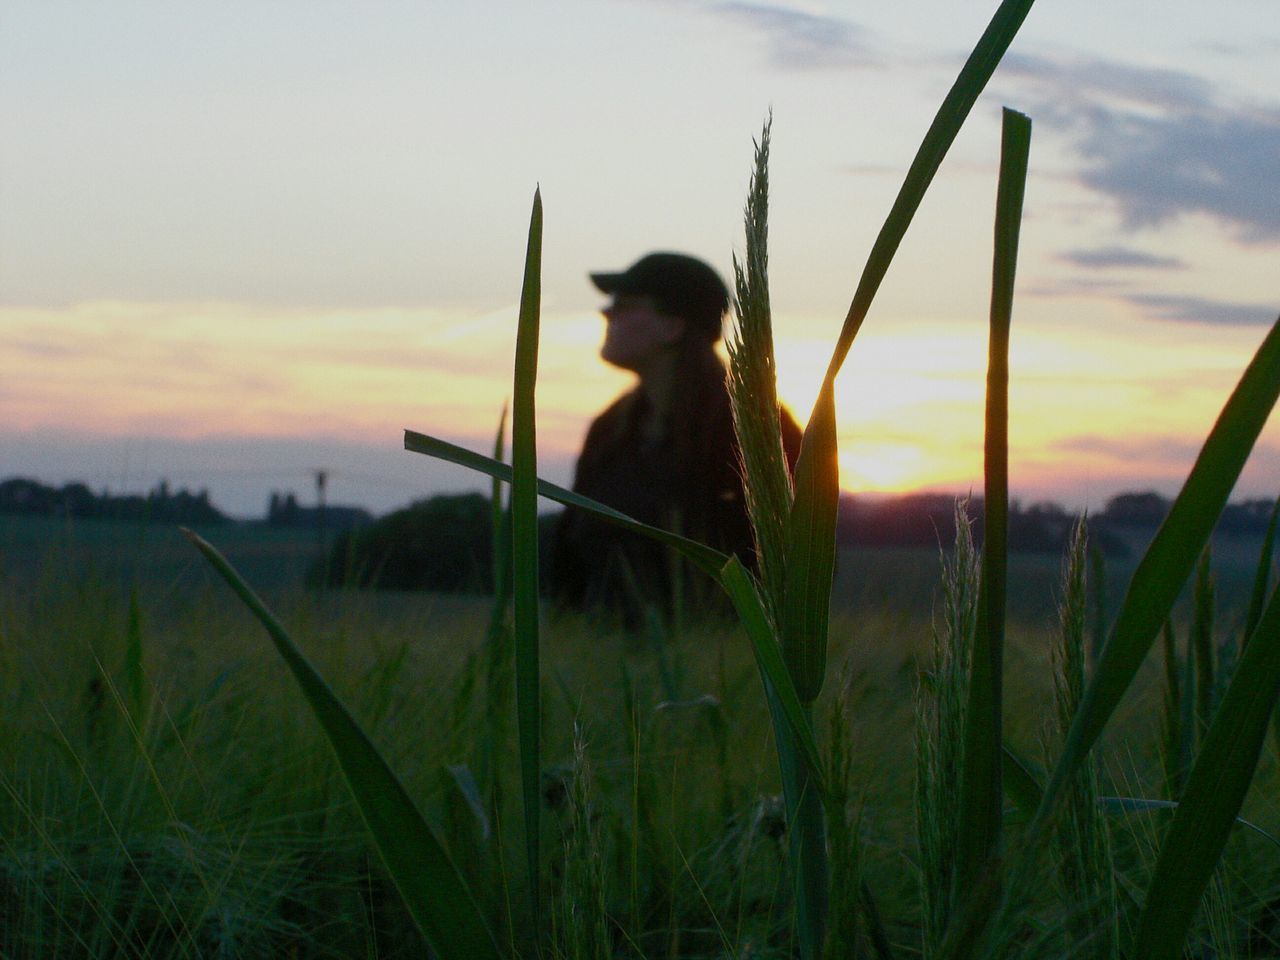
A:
(276, 561)
(203, 815)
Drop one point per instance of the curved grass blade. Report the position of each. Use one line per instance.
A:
(524, 550)
(707, 559)
(981, 793)
(1117, 805)
(1021, 785)
(1147, 603)
(784, 702)
(465, 781)
(798, 762)
(1170, 558)
(950, 117)
(811, 551)
(811, 526)
(1215, 792)
(429, 883)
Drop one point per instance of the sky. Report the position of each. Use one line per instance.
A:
(242, 242)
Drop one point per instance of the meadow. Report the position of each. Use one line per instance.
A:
(166, 794)
(876, 758)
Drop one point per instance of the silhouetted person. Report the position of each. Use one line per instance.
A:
(664, 452)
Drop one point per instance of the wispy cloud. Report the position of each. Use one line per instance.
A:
(1162, 167)
(35, 348)
(1080, 286)
(1160, 449)
(1177, 308)
(1115, 257)
(1162, 460)
(1160, 143)
(1183, 309)
(800, 40)
(1081, 82)
(1250, 52)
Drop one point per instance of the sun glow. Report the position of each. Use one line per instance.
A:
(1088, 405)
(884, 467)
(910, 401)
(904, 403)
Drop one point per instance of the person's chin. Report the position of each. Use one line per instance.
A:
(615, 360)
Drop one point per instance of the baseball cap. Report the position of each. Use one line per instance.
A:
(681, 285)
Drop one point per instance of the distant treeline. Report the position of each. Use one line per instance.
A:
(928, 519)
(445, 543)
(283, 510)
(29, 497)
(19, 495)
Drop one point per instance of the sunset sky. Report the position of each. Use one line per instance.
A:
(243, 241)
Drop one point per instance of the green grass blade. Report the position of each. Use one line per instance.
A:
(432, 888)
(950, 117)
(811, 552)
(808, 841)
(1172, 709)
(707, 559)
(1118, 805)
(981, 793)
(1171, 556)
(1215, 791)
(1021, 785)
(524, 551)
(798, 761)
(811, 527)
(1262, 578)
(784, 702)
(1202, 641)
(500, 545)
(876, 931)
(498, 521)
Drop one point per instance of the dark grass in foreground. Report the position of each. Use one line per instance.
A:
(218, 824)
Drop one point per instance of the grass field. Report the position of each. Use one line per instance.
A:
(879, 759)
(203, 815)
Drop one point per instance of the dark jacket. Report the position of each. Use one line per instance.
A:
(687, 481)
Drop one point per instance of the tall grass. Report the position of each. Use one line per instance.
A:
(524, 552)
(940, 724)
(797, 615)
(975, 880)
(431, 885)
(1083, 851)
(981, 794)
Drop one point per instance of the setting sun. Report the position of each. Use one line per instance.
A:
(885, 467)
(905, 402)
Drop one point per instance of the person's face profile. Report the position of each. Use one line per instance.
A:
(637, 331)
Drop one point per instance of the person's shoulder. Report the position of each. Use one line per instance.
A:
(611, 422)
(615, 411)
